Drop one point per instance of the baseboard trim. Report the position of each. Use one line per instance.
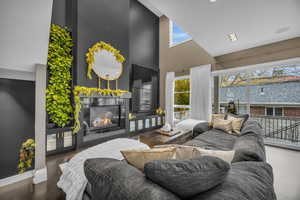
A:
(40, 176)
(16, 178)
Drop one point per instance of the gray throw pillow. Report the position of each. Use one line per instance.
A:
(116, 180)
(187, 178)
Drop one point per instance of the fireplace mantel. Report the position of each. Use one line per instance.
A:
(123, 96)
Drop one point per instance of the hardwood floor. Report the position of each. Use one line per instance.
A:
(25, 190)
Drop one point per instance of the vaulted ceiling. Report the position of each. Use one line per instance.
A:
(255, 22)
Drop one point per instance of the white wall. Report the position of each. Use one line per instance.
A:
(24, 33)
(286, 169)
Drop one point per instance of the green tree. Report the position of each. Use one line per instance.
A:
(182, 92)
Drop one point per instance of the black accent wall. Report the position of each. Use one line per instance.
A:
(17, 105)
(144, 36)
(102, 20)
(125, 24)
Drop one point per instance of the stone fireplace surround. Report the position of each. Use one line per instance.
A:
(103, 118)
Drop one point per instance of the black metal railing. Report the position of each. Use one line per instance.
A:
(283, 128)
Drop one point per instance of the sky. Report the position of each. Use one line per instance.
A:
(178, 35)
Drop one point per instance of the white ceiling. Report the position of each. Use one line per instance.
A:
(255, 22)
(24, 33)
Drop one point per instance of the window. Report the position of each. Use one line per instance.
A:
(278, 112)
(269, 111)
(264, 87)
(177, 35)
(182, 98)
(274, 111)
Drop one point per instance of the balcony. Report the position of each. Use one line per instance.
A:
(280, 131)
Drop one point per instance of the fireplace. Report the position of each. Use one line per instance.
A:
(101, 116)
(105, 117)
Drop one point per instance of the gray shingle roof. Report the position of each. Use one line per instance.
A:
(284, 92)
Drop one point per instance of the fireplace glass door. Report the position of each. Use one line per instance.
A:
(103, 117)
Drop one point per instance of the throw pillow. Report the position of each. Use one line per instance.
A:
(224, 155)
(225, 125)
(187, 178)
(182, 152)
(243, 116)
(237, 124)
(138, 157)
(216, 117)
(189, 152)
(116, 180)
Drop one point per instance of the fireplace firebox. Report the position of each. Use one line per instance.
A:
(102, 118)
(105, 117)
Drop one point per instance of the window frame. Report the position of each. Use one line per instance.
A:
(171, 44)
(274, 111)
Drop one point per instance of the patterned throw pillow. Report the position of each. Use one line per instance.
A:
(222, 124)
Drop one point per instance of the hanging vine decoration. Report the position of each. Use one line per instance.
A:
(26, 155)
(99, 46)
(84, 91)
(58, 102)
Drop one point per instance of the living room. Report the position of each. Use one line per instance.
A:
(140, 99)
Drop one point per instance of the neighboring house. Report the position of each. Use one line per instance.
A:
(271, 99)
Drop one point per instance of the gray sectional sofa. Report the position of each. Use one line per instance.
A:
(248, 177)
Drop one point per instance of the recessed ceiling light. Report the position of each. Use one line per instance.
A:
(212, 1)
(232, 37)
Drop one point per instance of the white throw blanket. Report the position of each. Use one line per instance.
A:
(73, 180)
(188, 124)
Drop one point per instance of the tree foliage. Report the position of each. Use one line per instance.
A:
(182, 92)
(260, 76)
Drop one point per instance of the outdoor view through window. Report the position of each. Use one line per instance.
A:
(182, 99)
(177, 35)
(271, 96)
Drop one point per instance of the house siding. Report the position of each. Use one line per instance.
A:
(257, 111)
(292, 112)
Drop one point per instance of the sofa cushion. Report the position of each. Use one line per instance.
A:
(200, 128)
(250, 145)
(116, 180)
(245, 181)
(213, 139)
(187, 178)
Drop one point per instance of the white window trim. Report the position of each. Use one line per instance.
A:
(171, 44)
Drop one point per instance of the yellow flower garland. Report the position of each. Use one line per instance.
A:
(81, 90)
(99, 46)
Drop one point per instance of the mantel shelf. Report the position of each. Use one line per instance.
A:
(124, 96)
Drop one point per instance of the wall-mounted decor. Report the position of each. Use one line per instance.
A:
(58, 102)
(105, 61)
